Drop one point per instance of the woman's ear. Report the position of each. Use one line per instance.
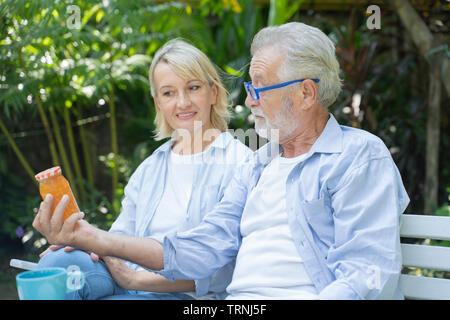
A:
(215, 91)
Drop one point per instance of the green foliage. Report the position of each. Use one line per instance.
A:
(82, 71)
(443, 211)
(17, 209)
(281, 11)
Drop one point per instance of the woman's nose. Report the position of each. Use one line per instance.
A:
(183, 100)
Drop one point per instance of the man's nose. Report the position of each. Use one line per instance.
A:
(250, 102)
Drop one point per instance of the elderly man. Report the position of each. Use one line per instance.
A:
(316, 217)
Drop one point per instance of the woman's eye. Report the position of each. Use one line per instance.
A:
(167, 93)
(195, 88)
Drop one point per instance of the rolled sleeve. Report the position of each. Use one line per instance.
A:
(201, 287)
(339, 290)
(168, 259)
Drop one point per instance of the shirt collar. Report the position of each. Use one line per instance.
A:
(330, 140)
(221, 142)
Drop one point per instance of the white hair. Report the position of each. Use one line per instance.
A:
(309, 53)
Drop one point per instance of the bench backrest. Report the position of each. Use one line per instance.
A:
(425, 256)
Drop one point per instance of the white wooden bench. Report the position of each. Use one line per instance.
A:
(425, 256)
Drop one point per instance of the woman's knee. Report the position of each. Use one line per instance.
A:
(98, 280)
(63, 259)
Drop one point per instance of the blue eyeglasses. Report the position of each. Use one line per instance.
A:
(254, 92)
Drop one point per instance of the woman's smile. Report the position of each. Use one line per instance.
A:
(186, 115)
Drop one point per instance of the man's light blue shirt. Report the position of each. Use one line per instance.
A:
(344, 203)
(211, 177)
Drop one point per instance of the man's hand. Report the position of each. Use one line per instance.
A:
(78, 233)
(71, 232)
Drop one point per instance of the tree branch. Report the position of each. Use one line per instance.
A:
(420, 35)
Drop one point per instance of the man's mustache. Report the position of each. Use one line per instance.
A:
(257, 113)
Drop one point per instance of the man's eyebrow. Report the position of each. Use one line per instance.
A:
(258, 77)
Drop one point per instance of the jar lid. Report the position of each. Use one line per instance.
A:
(48, 173)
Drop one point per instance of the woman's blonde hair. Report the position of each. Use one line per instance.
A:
(189, 62)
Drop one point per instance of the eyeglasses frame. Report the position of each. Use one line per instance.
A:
(271, 87)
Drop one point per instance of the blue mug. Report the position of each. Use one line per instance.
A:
(49, 283)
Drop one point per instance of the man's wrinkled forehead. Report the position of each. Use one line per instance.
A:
(265, 63)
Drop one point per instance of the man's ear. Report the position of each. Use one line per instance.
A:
(309, 92)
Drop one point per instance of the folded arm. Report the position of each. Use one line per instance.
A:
(143, 280)
(365, 257)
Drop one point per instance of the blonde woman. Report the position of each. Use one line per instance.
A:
(173, 188)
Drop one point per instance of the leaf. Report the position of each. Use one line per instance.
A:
(99, 16)
(232, 71)
(139, 60)
(47, 41)
(89, 13)
(31, 49)
(292, 10)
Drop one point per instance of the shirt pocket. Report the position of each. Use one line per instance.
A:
(320, 219)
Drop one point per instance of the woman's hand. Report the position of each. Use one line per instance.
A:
(121, 273)
(143, 280)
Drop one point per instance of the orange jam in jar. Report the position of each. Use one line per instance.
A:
(53, 182)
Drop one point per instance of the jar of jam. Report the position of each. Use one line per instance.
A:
(52, 181)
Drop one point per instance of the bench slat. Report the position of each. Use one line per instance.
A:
(426, 227)
(415, 287)
(430, 257)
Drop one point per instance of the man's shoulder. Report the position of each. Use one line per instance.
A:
(363, 143)
(360, 149)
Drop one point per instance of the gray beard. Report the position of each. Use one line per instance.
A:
(284, 124)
